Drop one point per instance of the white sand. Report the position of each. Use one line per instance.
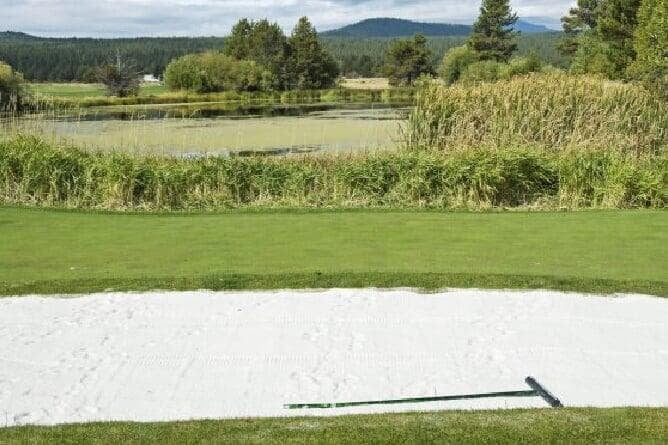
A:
(169, 356)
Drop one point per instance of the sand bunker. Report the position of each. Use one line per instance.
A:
(174, 356)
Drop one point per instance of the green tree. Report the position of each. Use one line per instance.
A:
(261, 42)
(493, 37)
(309, 65)
(580, 19)
(651, 46)
(11, 88)
(407, 60)
(455, 62)
(121, 78)
(616, 29)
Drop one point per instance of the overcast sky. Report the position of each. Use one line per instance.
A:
(109, 18)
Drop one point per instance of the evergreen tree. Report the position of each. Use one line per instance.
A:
(580, 19)
(616, 29)
(651, 46)
(309, 65)
(493, 37)
(407, 60)
(121, 78)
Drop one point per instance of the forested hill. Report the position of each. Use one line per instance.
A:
(390, 27)
(75, 59)
(387, 27)
(67, 59)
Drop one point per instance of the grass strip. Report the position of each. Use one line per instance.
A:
(580, 425)
(45, 251)
(317, 280)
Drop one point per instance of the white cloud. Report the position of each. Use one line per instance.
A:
(216, 17)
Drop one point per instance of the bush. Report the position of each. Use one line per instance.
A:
(482, 71)
(551, 111)
(33, 172)
(651, 46)
(520, 66)
(11, 89)
(455, 63)
(215, 72)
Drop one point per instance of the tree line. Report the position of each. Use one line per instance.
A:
(68, 60)
(619, 39)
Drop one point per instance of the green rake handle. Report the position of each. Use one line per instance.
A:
(536, 390)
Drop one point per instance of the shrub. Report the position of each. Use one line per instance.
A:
(552, 111)
(455, 62)
(482, 71)
(519, 66)
(215, 72)
(12, 92)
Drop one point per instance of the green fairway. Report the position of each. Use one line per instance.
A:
(59, 251)
(631, 425)
(82, 90)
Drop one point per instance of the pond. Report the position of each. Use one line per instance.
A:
(192, 130)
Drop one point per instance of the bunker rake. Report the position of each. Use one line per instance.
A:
(537, 390)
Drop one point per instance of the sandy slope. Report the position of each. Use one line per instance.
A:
(164, 356)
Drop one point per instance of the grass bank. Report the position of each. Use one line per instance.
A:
(552, 111)
(73, 97)
(34, 172)
(47, 251)
(586, 425)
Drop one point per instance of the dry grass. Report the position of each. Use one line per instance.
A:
(549, 111)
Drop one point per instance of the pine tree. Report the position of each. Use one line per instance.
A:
(651, 46)
(407, 60)
(493, 37)
(309, 65)
(582, 18)
(616, 29)
(120, 78)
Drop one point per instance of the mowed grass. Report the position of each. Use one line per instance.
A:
(83, 90)
(629, 425)
(46, 251)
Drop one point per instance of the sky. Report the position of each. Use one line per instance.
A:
(121, 18)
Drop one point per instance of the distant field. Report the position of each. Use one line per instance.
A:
(370, 83)
(82, 90)
(59, 251)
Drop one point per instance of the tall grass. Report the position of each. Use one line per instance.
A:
(34, 172)
(553, 111)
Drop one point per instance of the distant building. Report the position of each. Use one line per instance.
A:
(150, 78)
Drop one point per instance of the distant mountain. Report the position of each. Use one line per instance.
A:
(12, 35)
(389, 27)
(531, 28)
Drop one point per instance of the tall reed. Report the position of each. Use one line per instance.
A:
(34, 172)
(553, 111)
